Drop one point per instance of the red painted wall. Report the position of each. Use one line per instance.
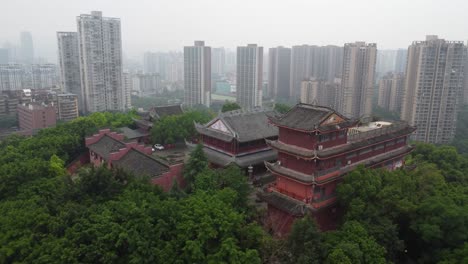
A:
(293, 163)
(279, 222)
(296, 138)
(293, 189)
(166, 180)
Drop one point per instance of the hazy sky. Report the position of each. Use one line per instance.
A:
(169, 25)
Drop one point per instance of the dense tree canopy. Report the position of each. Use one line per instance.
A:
(416, 215)
(229, 106)
(111, 216)
(176, 128)
(282, 108)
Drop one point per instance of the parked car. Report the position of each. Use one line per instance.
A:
(158, 147)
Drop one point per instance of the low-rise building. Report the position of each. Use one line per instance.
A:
(33, 117)
(109, 149)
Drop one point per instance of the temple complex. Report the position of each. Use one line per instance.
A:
(316, 147)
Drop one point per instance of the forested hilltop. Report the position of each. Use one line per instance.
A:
(416, 215)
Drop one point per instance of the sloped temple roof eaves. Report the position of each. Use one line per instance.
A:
(338, 150)
(312, 179)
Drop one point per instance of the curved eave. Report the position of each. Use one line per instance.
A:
(322, 154)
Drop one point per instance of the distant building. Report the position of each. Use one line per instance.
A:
(433, 88)
(319, 92)
(400, 61)
(279, 70)
(238, 137)
(69, 63)
(26, 48)
(14, 77)
(4, 56)
(33, 117)
(197, 74)
(147, 84)
(308, 61)
(8, 105)
(317, 147)
(67, 106)
(249, 79)
(391, 92)
(357, 83)
(100, 50)
(127, 83)
(44, 76)
(218, 62)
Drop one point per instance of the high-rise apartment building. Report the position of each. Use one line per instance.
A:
(197, 74)
(100, 51)
(127, 82)
(400, 60)
(279, 69)
(218, 62)
(319, 92)
(14, 77)
(147, 84)
(44, 76)
(357, 83)
(433, 88)
(26, 48)
(391, 91)
(4, 56)
(300, 69)
(249, 78)
(69, 63)
(307, 62)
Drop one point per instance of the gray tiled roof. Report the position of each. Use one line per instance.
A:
(132, 133)
(158, 112)
(141, 164)
(303, 117)
(105, 146)
(244, 161)
(285, 203)
(246, 126)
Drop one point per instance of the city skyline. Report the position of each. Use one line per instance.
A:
(181, 22)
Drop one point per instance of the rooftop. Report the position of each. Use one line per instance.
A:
(308, 117)
(106, 145)
(242, 125)
(141, 164)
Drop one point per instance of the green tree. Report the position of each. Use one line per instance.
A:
(229, 106)
(196, 164)
(305, 242)
(282, 108)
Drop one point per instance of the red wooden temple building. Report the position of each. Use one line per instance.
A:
(316, 147)
(238, 137)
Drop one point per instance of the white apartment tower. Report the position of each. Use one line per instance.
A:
(357, 82)
(69, 63)
(100, 51)
(197, 74)
(433, 88)
(249, 78)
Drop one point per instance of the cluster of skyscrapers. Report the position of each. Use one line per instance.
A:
(425, 85)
